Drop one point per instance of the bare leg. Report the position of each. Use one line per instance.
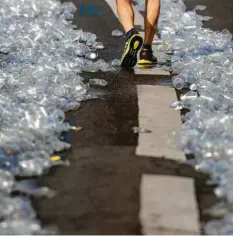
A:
(151, 20)
(133, 40)
(125, 14)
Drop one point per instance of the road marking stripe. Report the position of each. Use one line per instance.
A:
(168, 206)
(152, 71)
(157, 116)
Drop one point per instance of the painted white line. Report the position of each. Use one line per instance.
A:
(157, 116)
(168, 206)
(152, 71)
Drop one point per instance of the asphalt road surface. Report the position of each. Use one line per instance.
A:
(100, 192)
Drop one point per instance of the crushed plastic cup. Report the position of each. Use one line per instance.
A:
(30, 187)
(116, 62)
(117, 33)
(7, 181)
(177, 105)
(98, 45)
(178, 82)
(193, 87)
(42, 56)
(98, 82)
(140, 130)
(200, 7)
(91, 56)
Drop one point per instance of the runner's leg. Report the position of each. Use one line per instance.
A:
(125, 14)
(151, 20)
(133, 39)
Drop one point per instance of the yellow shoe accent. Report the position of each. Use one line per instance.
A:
(75, 128)
(143, 61)
(55, 158)
(128, 47)
(9, 151)
(135, 44)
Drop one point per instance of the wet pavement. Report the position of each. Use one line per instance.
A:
(100, 192)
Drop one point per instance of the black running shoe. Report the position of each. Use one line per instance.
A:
(132, 46)
(147, 59)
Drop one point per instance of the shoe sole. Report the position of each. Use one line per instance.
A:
(129, 58)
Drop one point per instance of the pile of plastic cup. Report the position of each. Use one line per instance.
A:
(42, 55)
